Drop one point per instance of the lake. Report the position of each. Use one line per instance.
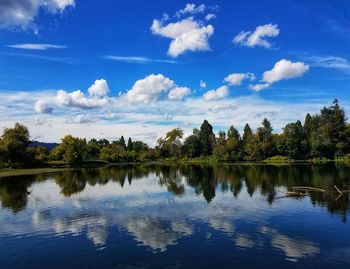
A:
(177, 216)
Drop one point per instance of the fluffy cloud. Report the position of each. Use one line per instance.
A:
(285, 69)
(186, 35)
(21, 13)
(235, 79)
(258, 37)
(78, 99)
(179, 93)
(259, 87)
(210, 16)
(43, 107)
(202, 84)
(217, 94)
(191, 9)
(282, 70)
(99, 88)
(29, 46)
(97, 96)
(150, 89)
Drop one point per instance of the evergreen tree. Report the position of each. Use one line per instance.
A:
(130, 145)
(122, 142)
(207, 138)
(247, 134)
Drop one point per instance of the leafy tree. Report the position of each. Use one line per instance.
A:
(72, 150)
(13, 144)
(171, 145)
(295, 144)
(192, 146)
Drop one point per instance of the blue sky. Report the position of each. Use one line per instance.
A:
(138, 65)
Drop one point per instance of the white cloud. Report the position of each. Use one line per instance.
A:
(137, 59)
(210, 16)
(236, 79)
(202, 84)
(79, 100)
(191, 9)
(43, 107)
(179, 93)
(285, 69)
(259, 87)
(329, 62)
(186, 35)
(81, 119)
(29, 46)
(21, 13)
(99, 88)
(150, 89)
(222, 107)
(217, 94)
(258, 37)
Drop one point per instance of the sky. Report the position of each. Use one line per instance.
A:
(140, 68)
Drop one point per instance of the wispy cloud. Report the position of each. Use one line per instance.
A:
(31, 46)
(65, 60)
(329, 61)
(137, 59)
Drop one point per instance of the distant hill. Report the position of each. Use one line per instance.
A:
(43, 144)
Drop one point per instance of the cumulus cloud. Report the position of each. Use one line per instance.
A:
(190, 9)
(186, 35)
(150, 89)
(285, 69)
(210, 16)
(235, 79)
(259, 87)
(43, 107)
(258, 37)
(179, 93)
(29, 46)
(99, 88)
(202, 84)
(282, 70)
(78, 99)
(217, 94)
(21, 13)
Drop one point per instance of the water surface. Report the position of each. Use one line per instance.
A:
(149, 216)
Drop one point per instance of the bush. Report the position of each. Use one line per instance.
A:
(278, 160)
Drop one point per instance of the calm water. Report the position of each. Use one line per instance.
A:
(223, 216)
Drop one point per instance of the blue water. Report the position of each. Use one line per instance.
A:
(223, 216)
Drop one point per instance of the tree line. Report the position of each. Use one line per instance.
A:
(323, 135)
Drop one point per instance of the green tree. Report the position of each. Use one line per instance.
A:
(207, 138)
(294, 141)
(13, 144)
(171, 145)
(72, 150)
(122, 142)
(130, 146)
(192, 146)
